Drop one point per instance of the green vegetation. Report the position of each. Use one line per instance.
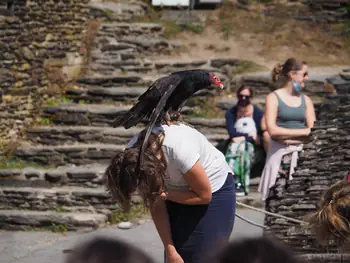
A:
(55, 228)
(66, 100)
(51, 102)
(18, 163)
(204, 109)
(136, 211)
(44, 121)
(171, 28)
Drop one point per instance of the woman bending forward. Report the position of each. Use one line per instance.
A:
(186, 183)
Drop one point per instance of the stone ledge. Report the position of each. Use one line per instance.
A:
(89, 114)
(90, 175)
(69, 154)
(113, 80)
(121, 94)
(75, 199)
(84, 114)
(21, 220)
(60, 135)
(101, 94)
(56, 135)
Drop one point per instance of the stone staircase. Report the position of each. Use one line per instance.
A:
(58, 181)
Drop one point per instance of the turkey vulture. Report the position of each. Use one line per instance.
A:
(164, 94)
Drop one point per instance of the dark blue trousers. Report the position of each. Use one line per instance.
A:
(198, 231)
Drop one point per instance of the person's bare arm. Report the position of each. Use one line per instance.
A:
(198, 182)
(161, 221)
(263, 123)
(310, 112)
(275, 131)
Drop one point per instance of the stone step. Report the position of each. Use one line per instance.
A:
(74, 199)
(89, 114)
(99, 95)
(121, 12)
(24, 220)
(84, 114)
(60, 135)
(131, 28)
(68, 154)
(112, 81)
(90, 175)
(122, 94)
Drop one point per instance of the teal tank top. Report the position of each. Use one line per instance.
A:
(291, 117)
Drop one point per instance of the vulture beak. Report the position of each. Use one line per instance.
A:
(221, 86)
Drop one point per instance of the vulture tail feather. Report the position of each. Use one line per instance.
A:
(154, 117)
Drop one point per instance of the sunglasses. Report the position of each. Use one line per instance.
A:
(243, 96)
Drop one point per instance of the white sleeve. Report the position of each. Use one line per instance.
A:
(132, 142)
(184, 156)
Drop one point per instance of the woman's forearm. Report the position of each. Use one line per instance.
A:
(161, 220)
(280, 133)
(187, 197)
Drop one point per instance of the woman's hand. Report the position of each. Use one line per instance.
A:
(172, 256)
(238, 139)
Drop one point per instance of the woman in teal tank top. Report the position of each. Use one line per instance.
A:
(289, 117)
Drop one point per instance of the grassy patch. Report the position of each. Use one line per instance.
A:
(171, 28)
(66, 100)
(136, 211)
(52, 102)
(44, 121)
(205, 109)
(16, 163)
(88, 44)
(246, 67)
(55, 228)
(280, 36)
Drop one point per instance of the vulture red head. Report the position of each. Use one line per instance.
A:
(215, 80)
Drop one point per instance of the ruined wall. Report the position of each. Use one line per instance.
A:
(40, 49)
(329, 10)
(325, 160)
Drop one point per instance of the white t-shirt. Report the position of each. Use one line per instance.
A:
(183, 146)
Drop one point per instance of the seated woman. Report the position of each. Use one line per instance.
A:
(186, 183)
(289, 117)
(331, 221)
(243, 126)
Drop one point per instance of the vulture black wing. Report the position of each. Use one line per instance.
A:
(147, 102)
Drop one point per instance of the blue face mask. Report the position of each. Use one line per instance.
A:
(296, 86)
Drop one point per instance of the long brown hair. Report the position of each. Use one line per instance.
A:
(331, 222)
(123, 177)
(280, 71)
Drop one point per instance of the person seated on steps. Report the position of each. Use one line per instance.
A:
(106, 250)
(331, 220)
(243, 126)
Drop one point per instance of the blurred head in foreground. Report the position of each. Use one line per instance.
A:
(256, 250)
(106, 250)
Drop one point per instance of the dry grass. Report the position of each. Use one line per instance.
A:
(88, 44)
(280, 37)
(248, 35)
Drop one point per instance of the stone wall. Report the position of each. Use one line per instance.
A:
(330, 10)
(40, 42)
(325, 160)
